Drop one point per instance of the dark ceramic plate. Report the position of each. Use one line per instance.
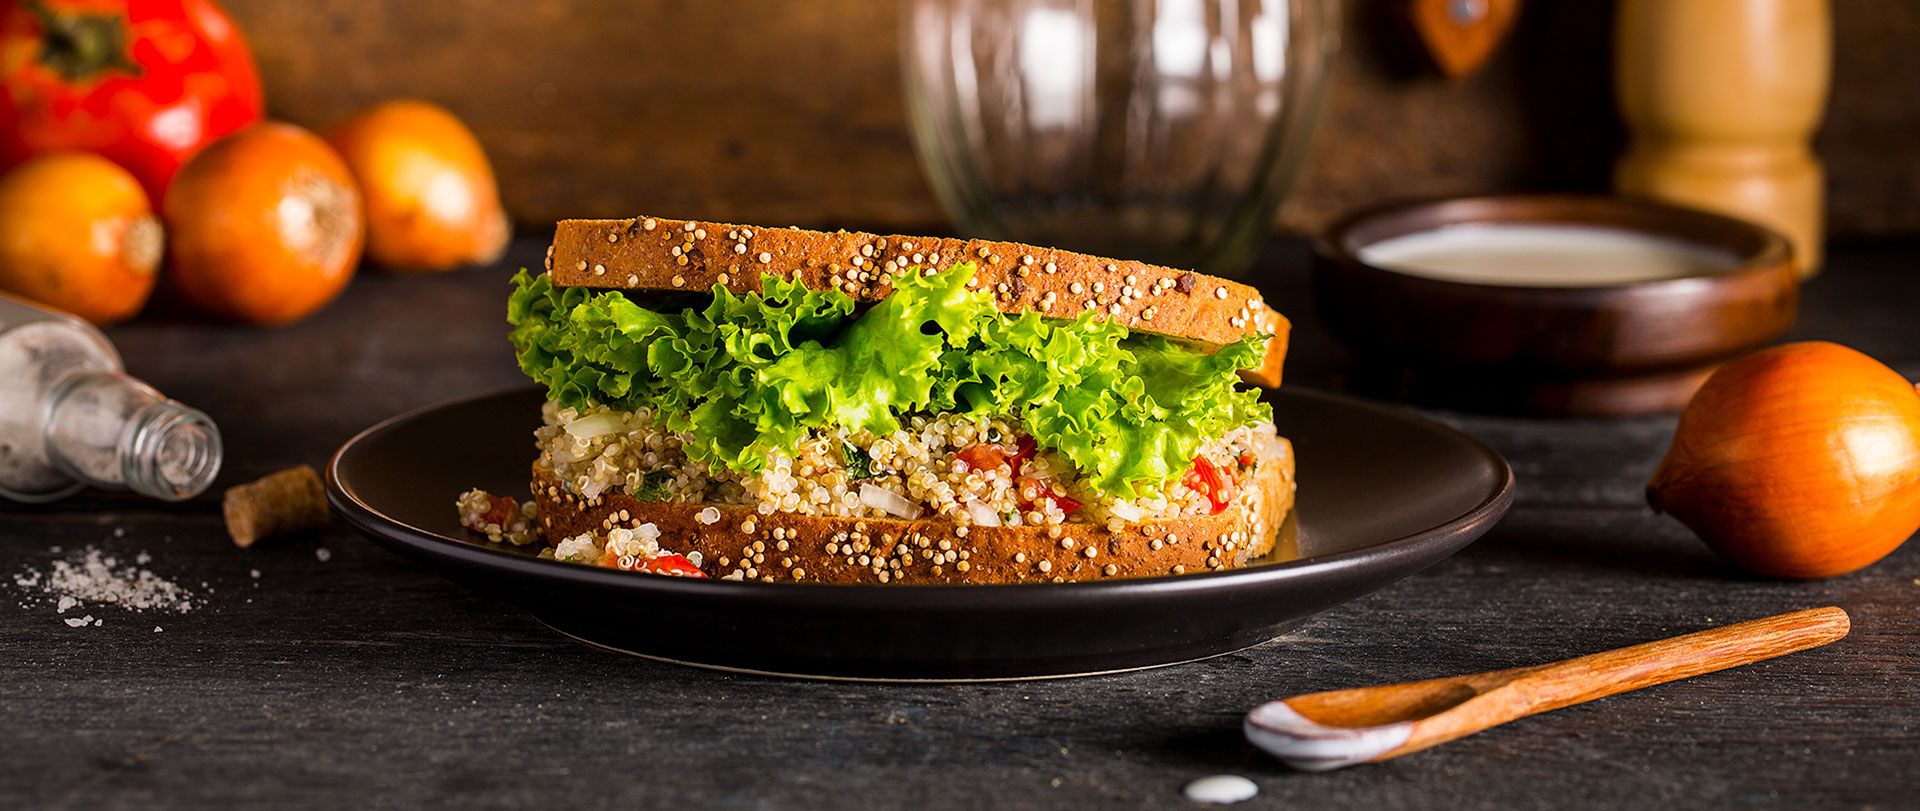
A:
(1383, 494)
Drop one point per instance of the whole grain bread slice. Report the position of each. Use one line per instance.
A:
(652, 253)
(781, 546)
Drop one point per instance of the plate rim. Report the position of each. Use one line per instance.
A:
(377, 526)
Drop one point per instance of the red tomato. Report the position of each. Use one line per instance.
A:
(1022, 451)
(983, 457)
(1206, 478)
(674, 565)
(1045, 491)
(144, 83)
(499, 511)
(986, 456)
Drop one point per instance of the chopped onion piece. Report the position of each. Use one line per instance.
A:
(891, 503)
(1125, 511)
(601, 424)
(982, 516)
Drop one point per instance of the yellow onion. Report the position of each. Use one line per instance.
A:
(1801, 460)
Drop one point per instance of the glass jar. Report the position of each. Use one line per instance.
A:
(1161, 130)
(69, 418)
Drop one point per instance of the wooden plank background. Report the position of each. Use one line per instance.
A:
(780, 112)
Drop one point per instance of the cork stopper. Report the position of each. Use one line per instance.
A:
(278, 504)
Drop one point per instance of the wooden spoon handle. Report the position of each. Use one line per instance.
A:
(1631, 668)
(1550, 687)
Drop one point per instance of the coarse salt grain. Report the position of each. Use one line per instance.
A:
(323, 554)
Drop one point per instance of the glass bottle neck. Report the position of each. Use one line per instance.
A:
(110, 430)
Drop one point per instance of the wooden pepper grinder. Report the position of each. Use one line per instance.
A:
(1722, 98)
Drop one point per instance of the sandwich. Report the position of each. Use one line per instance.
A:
(779, 404)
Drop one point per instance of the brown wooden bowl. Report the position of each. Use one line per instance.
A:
(1633, 348)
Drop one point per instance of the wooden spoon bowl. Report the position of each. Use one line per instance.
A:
(1625, 348)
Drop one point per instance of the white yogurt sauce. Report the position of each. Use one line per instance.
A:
(1543, 255)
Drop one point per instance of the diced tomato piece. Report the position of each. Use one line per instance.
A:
(1023, 450)
(499, 512)
(674, 565)
(983, 456)
(1206, 478)
(1064, 502)
(990, 456)
(1045, 491)
(1247, 459)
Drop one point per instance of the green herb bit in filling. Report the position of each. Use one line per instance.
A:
(859, 464)
(653, 485)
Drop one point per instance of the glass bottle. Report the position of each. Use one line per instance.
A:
(69, 418)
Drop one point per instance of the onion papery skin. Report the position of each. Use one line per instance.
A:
(1798, 461)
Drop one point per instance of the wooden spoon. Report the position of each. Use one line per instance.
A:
(1322, 731)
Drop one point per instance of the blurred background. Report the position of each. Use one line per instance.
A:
(792, 113)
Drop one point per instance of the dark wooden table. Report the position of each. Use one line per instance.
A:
(362, 681)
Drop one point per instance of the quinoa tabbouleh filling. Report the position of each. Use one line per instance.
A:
(966, 468)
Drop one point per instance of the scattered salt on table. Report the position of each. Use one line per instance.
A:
(90, 576)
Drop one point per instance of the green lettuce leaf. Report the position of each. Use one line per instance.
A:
(750, 374)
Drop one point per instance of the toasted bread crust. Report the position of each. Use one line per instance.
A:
(652, 253)
(815, 549)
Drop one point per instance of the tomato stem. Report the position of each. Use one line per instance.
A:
(81, 47)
